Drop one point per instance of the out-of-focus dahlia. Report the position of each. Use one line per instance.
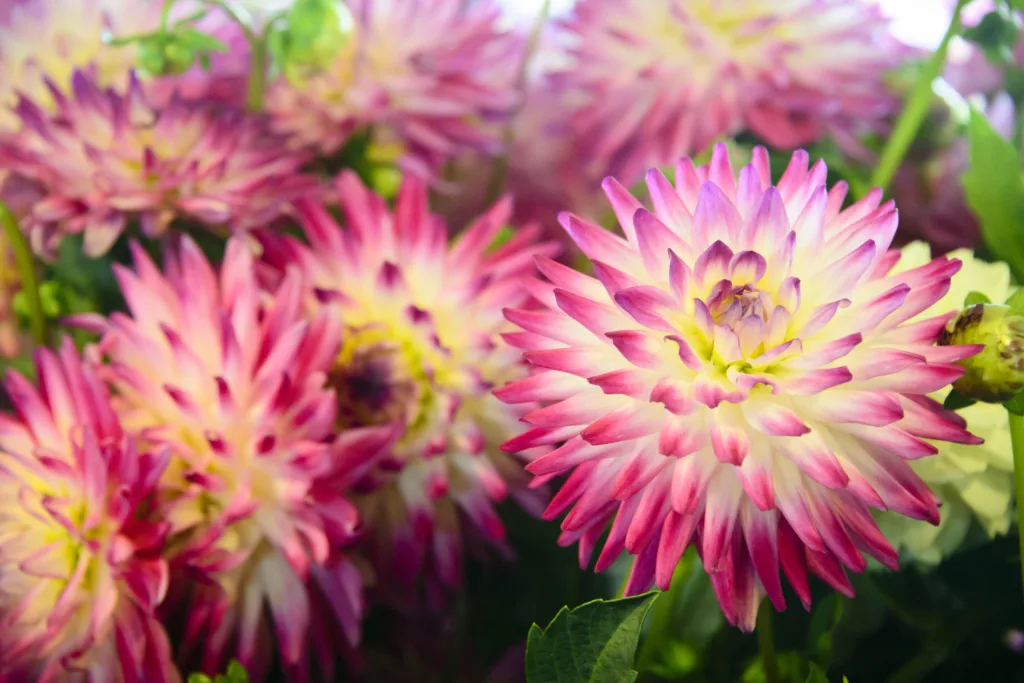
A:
(80, 568)
(50, 39)
(973, 482)
(104, 158)
(421, 351)
(930, 192)
(432, 78)
(232, 380)
(664, 78)
(744, 374)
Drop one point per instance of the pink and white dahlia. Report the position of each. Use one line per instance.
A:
(232, 380)
(663, 79)
(743, 374)
(51, 39)
(104, 157)
(421, 351)
(432, 78)
(81, 573)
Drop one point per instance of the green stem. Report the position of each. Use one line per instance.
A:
(766, 642)
(258, 48)
(916, 108)
(26, 269)
(165, 15)
(257, 75)
(1017, 439)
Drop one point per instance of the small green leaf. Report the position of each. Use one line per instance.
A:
(504, 235)
(956, 401)
(976, 298)
(236, 673)
(995, 193)
(1016, 404)
(199, 678)
(816, 675)
(1016, 302)
(826, 617)
(594, 643)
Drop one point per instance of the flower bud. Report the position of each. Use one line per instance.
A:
(996, 374)
(316, 31)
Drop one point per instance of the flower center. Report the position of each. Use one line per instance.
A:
(379, 380)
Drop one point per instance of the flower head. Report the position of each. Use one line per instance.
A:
(232, 380)
(743, 374)
(665, 78)
(421, 350)
(80, 568)
(432, 78)
(104, 157)
(973, 482)
(50, 39)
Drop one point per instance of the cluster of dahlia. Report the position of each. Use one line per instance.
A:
(324, 409)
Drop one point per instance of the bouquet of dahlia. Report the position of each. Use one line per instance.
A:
(355, 340)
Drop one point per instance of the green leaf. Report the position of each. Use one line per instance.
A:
(956, 401)
(199, 678)
(594, 643)
(816, 675)
(1016, 302)
(997, 34)
(504, 235)
(995, 193)
(826, 617)
(976, 298)
(236, 673)
(1016, 404)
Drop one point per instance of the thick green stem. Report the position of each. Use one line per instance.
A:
(26, 269)
(916, 108)
(1017, 439)
(766, 642)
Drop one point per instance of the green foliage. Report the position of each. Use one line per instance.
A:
(955, 401)
(824, 621)
(594, 643)
(174, 49)
(995, 193)
(1016, 302)
(311, 34)
(996, 34)
(504, 235)
(976, 298)
(236, 673)
(816, 675)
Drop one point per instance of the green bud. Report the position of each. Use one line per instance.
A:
(151, 57)
(997, 373)
(316, 31)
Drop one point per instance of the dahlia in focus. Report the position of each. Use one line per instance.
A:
(973, 482)
(664, 78)
(81, 573)
(50, 39)
(745, 374)
(232, 380)
(421, 351)
(433, 78)
(104, 158)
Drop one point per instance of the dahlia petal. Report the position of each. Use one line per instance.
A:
(676, 535)
(646, 305)
(760, 532)
(595, 316)
(720, 515)
(597, 243)
(773, 419)
(639, 347)
(874, 408)
(729, 443)
(543, 386)
(655, 241)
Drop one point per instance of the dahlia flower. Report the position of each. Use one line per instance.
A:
(50, 39)
(665, 78)
(421, 351)
(432, 78)
(104, 157)
(976, 482)
(80, 568)
(744, 374)
(232, 382)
